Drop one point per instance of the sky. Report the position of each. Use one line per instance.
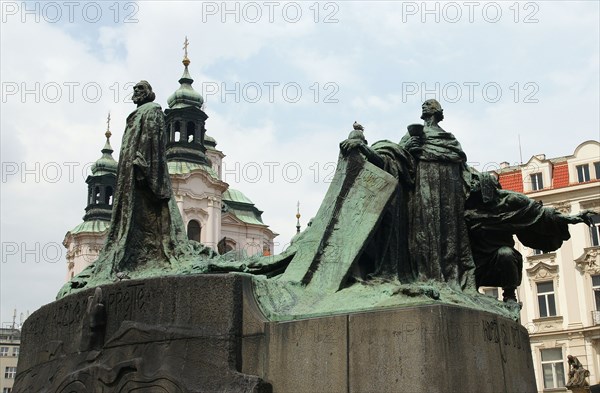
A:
(283, 83)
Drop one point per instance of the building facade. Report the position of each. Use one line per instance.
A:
(560, 290)
(10, 339)
(213, 213)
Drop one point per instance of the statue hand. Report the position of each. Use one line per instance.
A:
(350, 144)
(414, 145)
(139, 167)
(586, 217)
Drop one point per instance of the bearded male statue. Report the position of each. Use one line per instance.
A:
(146, 224)
(146, 236)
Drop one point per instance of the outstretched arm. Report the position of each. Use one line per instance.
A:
(584, 216)
(370, 154)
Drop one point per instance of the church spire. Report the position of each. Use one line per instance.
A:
(101, 182)
(106, 163)
(186, 95)
(186, 120)
(298, 217)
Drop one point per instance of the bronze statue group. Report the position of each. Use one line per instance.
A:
(449, 222)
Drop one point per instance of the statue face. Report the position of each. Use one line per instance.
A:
(140, 93)
(430, 107)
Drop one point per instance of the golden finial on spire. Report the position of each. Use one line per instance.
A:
(298, 217)
(186, 61)
(108, 133)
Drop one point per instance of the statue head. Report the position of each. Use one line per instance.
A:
(142, 93)
(432, 108)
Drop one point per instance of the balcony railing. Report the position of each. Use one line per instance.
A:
(596, 317)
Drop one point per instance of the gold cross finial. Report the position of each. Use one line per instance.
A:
(108, 133)
(186, 43)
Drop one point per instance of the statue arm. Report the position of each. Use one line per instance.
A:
(370, 154)
(582, 217)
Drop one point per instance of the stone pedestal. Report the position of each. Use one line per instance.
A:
(206, 334)
(170, 334)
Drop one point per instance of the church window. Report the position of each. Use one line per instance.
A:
(96, 195)
(191, 128)
(177, 132)
(108, 196)
(225, 245)
(194, 230)
(266, 250)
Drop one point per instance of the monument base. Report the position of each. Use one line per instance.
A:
(205, 333)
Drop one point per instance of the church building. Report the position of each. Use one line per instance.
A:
(214, 214)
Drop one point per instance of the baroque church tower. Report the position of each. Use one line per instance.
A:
(84, 242)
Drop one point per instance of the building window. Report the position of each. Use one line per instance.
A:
(597, 168)
(15, 351)
(596, 289)
(6, 390)
(96, 195)
(108, 198)
(226, 245)
(537, 251)
(491, 292)
(553, 368)
(10, 372)
(3, 351)
(266, 250)
(583, 173)
(545, 293)
(191, 132)
(595, 230)
(193, 230)
(536, 181)
(177, 133)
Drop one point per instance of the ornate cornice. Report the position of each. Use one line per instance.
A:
(593, 204)
(542, 271)
(203, 175)
(589, 261)
(548, 324)
(194, 211)
(563, 207)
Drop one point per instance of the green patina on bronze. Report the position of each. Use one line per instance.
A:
(402, 224)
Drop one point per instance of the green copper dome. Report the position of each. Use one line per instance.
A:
(105, 164)
(186, 95)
